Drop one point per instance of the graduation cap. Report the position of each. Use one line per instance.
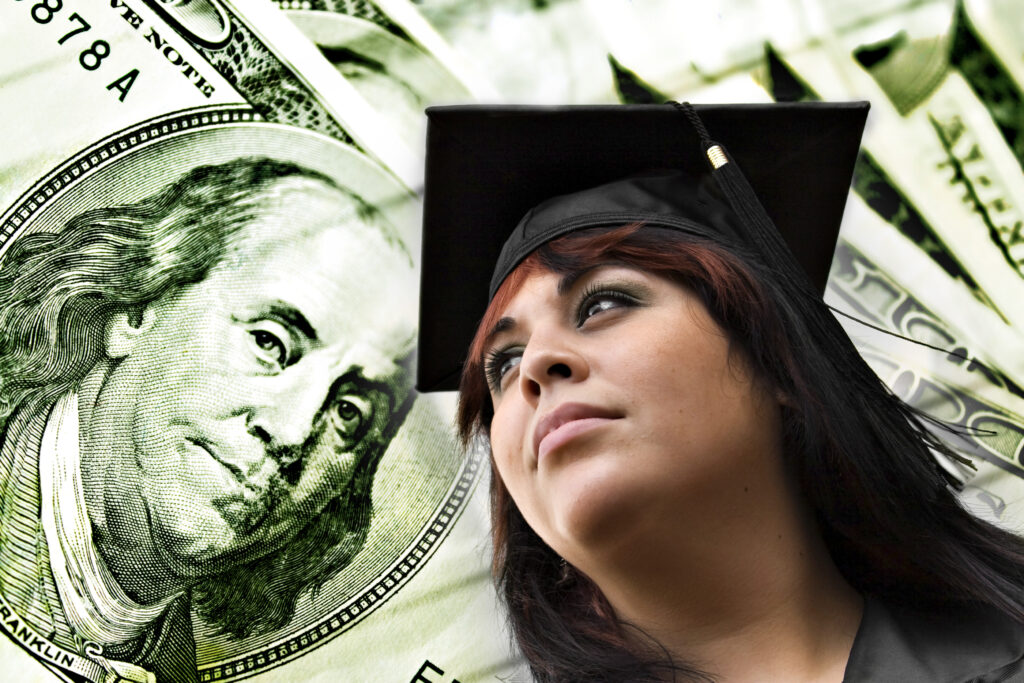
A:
(502, 180)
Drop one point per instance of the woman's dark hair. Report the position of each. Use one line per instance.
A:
(862, 457)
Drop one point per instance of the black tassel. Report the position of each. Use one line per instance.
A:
(742, 199)
(748, 208)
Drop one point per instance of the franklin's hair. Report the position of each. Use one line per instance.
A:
(860, 456)
(59, 289)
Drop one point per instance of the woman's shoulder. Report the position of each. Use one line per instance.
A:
(937, 645)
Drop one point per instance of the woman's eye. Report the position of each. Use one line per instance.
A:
(598, 302)
(351, 413)
(271, 345)
(499, 364)
(596, 307)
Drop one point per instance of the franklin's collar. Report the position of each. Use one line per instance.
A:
(97, 608)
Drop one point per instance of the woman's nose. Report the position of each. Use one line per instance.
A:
(548, 360)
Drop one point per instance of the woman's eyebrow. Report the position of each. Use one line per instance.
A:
(565, 285)
(503, 325)
(567, 281)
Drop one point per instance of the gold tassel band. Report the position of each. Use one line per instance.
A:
(717, 156)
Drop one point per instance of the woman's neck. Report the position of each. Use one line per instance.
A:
(752, 595)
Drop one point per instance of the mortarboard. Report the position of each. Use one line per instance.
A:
(566, 168)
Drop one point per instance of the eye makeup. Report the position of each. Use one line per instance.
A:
(587, 297)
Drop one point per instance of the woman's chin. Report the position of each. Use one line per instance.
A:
(593, 504)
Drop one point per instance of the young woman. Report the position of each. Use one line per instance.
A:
(695, 474)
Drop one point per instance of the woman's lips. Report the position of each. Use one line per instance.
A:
(565, 423)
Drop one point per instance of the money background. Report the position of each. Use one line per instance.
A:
(931, 246)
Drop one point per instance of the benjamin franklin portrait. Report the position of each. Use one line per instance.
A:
(195, 392)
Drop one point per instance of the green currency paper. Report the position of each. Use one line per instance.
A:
(213, 463)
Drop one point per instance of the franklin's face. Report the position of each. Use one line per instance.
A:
(243, 403)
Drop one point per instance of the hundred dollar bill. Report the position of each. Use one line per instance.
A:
(440, 71)
(681, 48)
(880, 277)
(982, 165)
(957, 93)
(214, 60)
(970, 377)
(396, 75)
(212, 463)
(535, 51)
(909, 150)
(984, 426)
(871, 183)
(986, 50)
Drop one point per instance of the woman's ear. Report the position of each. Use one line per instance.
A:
(124, 331)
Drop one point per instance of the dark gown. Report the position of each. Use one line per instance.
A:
(898, 645)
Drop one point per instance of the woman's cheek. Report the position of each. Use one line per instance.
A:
(507, 438)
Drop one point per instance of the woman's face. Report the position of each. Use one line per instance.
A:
(618, 407)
